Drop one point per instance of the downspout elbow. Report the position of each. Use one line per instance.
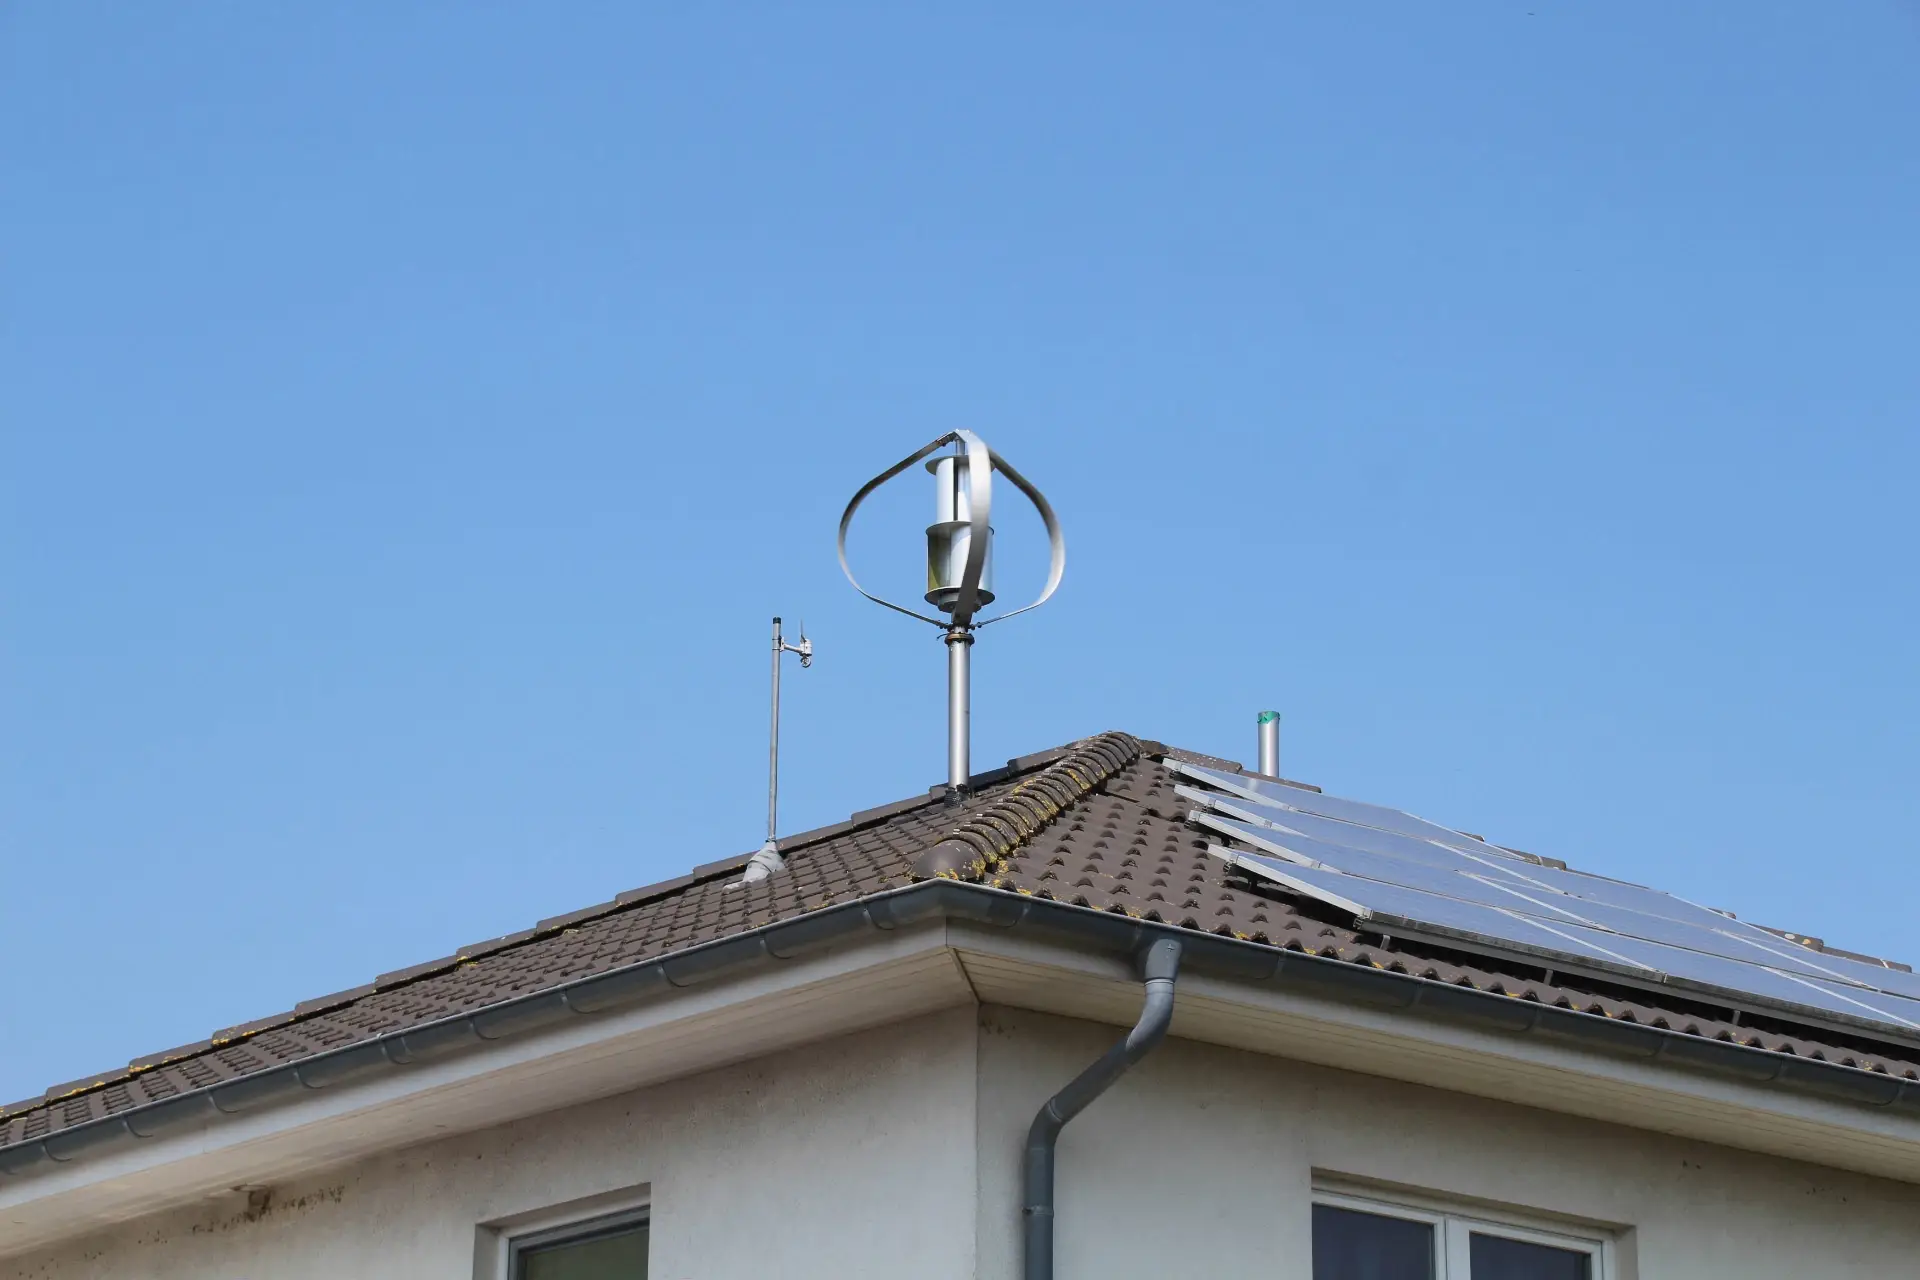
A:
(1160, 967)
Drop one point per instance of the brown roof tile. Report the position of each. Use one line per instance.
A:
(1095, 824)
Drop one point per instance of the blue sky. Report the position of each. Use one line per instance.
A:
(413, 413)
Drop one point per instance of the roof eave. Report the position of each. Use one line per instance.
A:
(1230, 959)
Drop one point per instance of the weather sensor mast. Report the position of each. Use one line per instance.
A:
(960, 566)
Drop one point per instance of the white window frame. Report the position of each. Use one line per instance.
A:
(1455, 1226)
(500, 1243)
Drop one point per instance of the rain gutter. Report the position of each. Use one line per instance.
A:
(1106, 933)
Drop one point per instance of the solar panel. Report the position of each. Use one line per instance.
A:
(1899, 982)
(1347, 834)
(1398, 908)
(1409, 875)
(1355, 811)
(1596, 888)
(1393, 905)
(1543, 892)
(1428, 877)
(1737, 977)
(1907, 1011)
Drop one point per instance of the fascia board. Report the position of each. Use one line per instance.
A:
(1540, 1069)
(893, 976)
(750, 994)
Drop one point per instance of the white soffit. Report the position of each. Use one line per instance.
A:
(1527, 1070)
(903, 975)
(698, 1029)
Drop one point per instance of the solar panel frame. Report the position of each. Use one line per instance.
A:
(1896, 982)
(1338, 832)
(1908, 1010)
(1471, 882)
(1416, 875)
(1590, 888)
(1568, 947)
(1668, 931)
(1763, 982)
(1616, 906)
(1442, 881)
(1356, 811)
(1397, 906)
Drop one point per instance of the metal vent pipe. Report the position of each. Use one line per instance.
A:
(1270, 743)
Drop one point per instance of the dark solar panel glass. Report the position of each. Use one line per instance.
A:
(1352, 836)
(1763, 946)
(1485, 861)
(1896, 1008)
(1457, 881)
(1531, 890)
(1390, 904)
(1713, 978)
(1385, 874)
(1673, 933)
(1369, 815)
(1470, 882)
(1737, 977)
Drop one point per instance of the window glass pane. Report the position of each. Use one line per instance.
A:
(1497, 1258)
(622, 1256)
(1350, 1245)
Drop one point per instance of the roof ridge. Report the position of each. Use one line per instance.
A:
(994, 831)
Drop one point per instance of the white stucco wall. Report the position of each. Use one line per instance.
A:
(895, 1153)
(838, 1160)
(1201, 1163)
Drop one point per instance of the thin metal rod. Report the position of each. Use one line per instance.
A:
(1270, 743)
(773, 739)
(959, 715)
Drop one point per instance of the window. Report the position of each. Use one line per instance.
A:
(601, 1238)
(606, 1249)
(1361, 1238)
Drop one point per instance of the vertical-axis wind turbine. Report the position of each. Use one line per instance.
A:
(960, 567)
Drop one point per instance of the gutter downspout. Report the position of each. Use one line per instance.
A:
(1158, 968)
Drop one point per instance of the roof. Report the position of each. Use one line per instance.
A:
(1095, 824)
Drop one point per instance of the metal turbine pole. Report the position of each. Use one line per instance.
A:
(959, 713)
